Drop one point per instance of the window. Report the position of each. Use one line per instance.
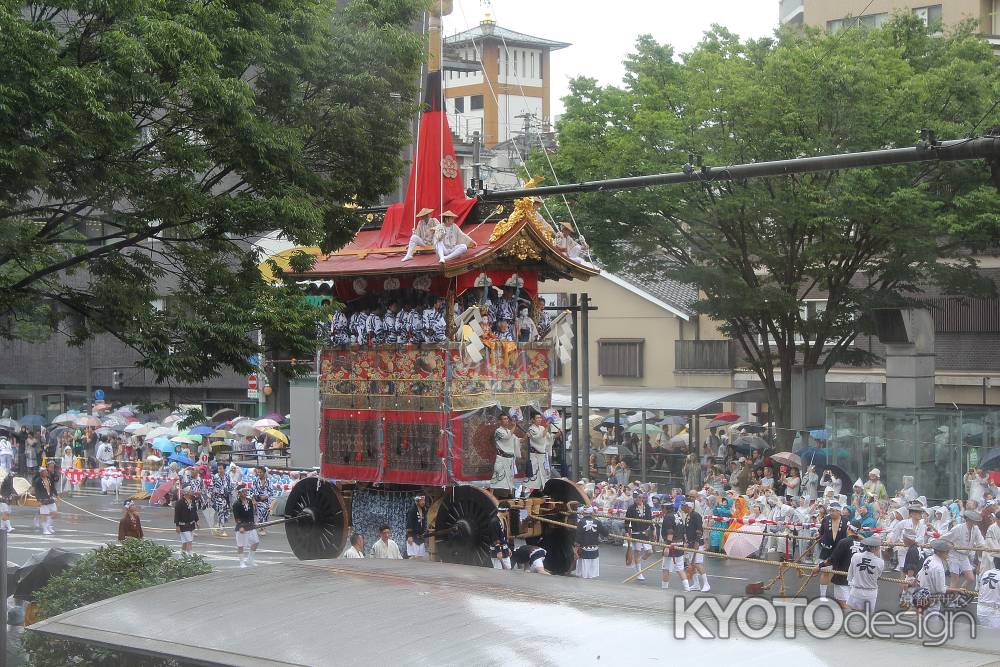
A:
(476, 102)
(459, 103)
(868, 21)
(524, 63)
(540, 68)
(515, 62)
(532, 64)
(620, 357)
(931, 15)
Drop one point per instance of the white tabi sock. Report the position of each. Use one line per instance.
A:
(250, 559)
(696, 580)
(822, 590)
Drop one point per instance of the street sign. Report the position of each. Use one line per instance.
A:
(99, 395)
(252, 386)
(252, 393)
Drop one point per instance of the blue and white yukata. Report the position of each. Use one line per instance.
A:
(435, 326)
(221, 498)
(261, 490)
(340, 330)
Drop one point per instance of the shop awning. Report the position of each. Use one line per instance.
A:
(678, 400)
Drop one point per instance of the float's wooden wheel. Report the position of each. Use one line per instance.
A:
(558, 540)
(460, 524)
(321, 529)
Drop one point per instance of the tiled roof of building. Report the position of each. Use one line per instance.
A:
(491, 30)
(680, 295)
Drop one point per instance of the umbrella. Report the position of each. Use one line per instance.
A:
(225, 414)
(726, 417)
(219, 434)
(65, 418)
(126, 410)
(611, 421)
(751, 427)
(637, 417)
(159, 432)
(154, 458)
(104, 430)
(180, 458)
(277, 435)
(610, 450)
(595, 420)
(40, 568)
(820, 434)
(992, 460)
(812, 456)
(275, 417)
(716, 423)
(33, 420)
(9, 424)
(87, 420)
(651, 429)
(138, 428)
(745, 542)
(182, 439)
(201, 430)
(221, 447)
(752, 442)
(787, 458)
(243, 428)
(172, 419)
(262, 424)
(164, 445)
(673, 420)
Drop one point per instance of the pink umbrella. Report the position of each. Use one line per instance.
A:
(745, 542)
(87, 420)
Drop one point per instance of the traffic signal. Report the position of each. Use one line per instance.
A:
(116, 379)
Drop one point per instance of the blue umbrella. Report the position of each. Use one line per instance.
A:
(33, 420)
(202, 430)
(164, 445)
(812, 456)
(610, 421)
(180, 458)
(820, 434)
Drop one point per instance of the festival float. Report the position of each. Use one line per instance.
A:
(421, 417)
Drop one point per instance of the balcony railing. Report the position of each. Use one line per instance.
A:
(705, 356)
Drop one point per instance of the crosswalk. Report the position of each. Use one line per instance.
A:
(95, 524)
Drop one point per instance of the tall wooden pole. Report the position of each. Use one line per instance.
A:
(574, 390)
(584, 345)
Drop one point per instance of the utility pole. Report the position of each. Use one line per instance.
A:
(574, 391)
(584, 344)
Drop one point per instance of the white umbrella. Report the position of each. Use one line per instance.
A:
(264, 424)
(745, 542)
(171, 419)
(154, 458)
(157, 432)
(87, 420)
(9, 424)
(138, 428)
(183, 439)
(65, 418)
(243, 428)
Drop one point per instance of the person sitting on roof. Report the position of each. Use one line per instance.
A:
(423, 232)
(449, 240)
(574, 248)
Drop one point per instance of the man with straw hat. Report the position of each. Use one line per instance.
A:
(574, 248)
(423, 232)
(449, 240)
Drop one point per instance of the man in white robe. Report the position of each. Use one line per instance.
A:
(992, 542)
(357, 548)
(385, 546)
(449, 240)
(504, 468)
(539, 449)
(423, 232)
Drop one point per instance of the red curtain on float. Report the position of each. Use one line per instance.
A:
(435, 178)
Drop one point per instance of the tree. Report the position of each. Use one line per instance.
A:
(114, 569)
(758, 249)
(145, 146)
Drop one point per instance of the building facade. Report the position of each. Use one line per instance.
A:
(834, 15)
(510, 88)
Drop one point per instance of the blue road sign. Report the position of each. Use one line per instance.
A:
(99, 395)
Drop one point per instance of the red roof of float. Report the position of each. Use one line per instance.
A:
(361, 257)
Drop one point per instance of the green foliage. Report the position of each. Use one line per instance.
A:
(114, 569)
(146, 145)
(757, 249)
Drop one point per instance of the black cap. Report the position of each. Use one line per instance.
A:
(855, 525)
